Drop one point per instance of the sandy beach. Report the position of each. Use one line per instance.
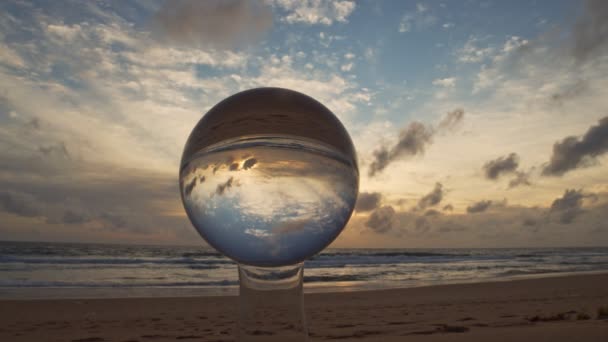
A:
(548, 309)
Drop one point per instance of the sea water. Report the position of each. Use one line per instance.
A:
(68, 270)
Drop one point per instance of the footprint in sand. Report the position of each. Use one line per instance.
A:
(186, 337)
(89, 339)
(399, 323)
(442, 328)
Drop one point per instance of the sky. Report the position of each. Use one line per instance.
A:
(476, 123)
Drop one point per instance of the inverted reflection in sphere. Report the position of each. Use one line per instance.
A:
(269, 177)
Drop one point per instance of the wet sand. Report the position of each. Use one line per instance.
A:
(547, 309)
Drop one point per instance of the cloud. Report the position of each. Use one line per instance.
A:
(371, 54)
(259, 233)
(405, 25)
(72, 193)
(433, 198)
(571, 199)
(326, 40)
(249, 163)
(479, 207)
(381, 219)
(347, 66)
(10, 57)
(512, 44)
(34, 123)
(368, 201)
(590, 32)
(71, 217)
(120, 104)
(504, 224)
(448, 82)
(113, 220)
(56, 150)
(502, 165)
(521, 178)
(522, 68)
(233, 167)
(190, 186)
(413, 141)
(217, 23)
(291, 226)
(432, 212)
(571, 91)
(420, 19)
(451, 120)
(312, 12)
(338, 93)
(422, 225)
(221, 188)
(574, 152)
(448, 207)
(472, 53)
(381, 160)
(20, 204)
(569, 206)
(135, 88)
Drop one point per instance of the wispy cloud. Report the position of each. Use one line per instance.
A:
(315, 12)
(590, 32)
(419, 19)
(448, 82)
(433, 198)
(521, 178)
(473, 51)
(413, 140)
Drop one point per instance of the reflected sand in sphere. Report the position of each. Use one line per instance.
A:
(269, 201)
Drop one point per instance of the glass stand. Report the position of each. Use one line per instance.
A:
(271, 305)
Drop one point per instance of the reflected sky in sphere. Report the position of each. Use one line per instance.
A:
(276, 190)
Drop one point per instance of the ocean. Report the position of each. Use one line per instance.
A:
(31, 270)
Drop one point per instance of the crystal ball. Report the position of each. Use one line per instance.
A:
(269, 177)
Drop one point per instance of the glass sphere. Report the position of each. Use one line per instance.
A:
(269, 177)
